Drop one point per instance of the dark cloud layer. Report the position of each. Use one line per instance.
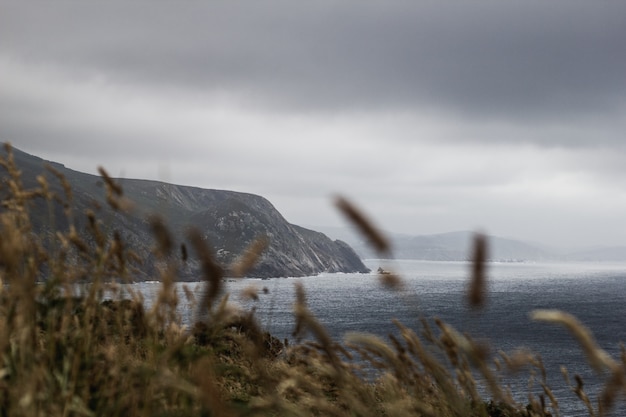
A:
(517, 61)
(436, 115)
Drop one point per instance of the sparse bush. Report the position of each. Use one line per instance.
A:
(71, 345)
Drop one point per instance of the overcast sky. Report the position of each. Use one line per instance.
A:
(504, 116)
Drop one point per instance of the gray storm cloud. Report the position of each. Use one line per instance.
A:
(490, 60)
(436, 115)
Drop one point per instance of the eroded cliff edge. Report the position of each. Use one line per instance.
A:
(229, 221)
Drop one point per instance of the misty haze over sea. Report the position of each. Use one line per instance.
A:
(456, 246)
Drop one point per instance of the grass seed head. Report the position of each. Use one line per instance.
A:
(250, 257)
(599, 359)
(477, 288)
(212, 271)
(364, 225)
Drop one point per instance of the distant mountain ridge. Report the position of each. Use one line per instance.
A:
(456, 246)
(229, 221)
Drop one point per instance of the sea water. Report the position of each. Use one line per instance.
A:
(594, 292)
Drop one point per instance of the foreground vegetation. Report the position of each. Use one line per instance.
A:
(91, 350)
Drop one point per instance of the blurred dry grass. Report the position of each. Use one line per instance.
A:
(70, 350)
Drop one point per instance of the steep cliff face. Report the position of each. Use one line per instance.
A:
(229, 221)
(323, 246)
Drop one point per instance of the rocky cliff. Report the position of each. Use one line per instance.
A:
(229, 221)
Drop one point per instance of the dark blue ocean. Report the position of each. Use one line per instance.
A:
(594, 292)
